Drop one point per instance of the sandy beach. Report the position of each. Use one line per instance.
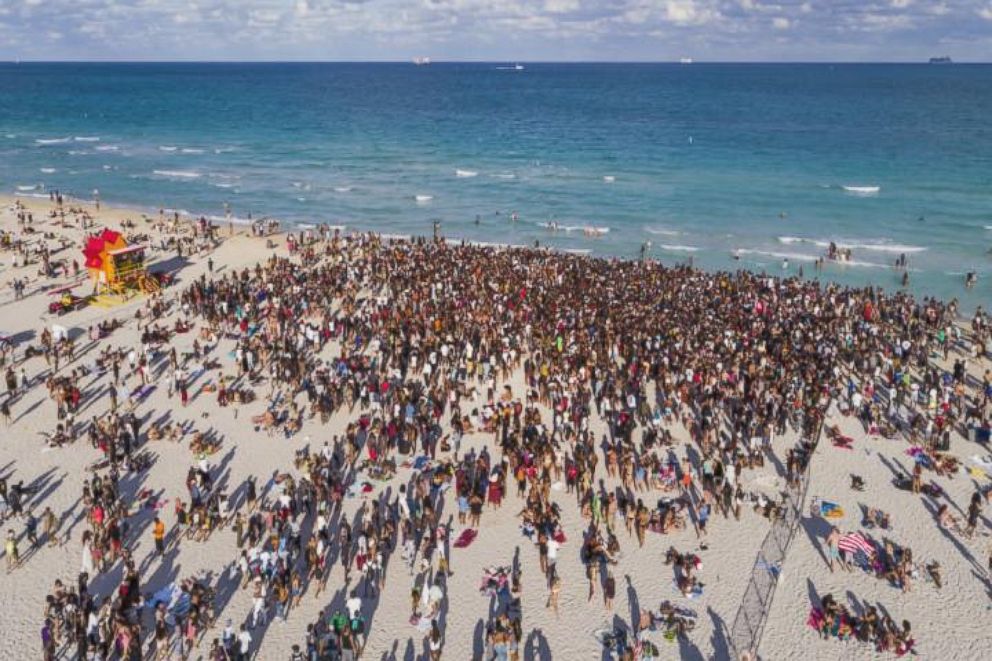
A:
(948, 622)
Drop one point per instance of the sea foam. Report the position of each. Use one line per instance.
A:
(855, 244)
(862, 190)
(181, 174)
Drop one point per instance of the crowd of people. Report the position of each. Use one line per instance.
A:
(480, 370)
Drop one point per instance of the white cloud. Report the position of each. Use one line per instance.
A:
(882, 22)
(689, 12)
(561, 6)
(493, 29)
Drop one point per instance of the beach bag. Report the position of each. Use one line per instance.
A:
(358, 625)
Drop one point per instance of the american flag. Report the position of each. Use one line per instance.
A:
(854, 542)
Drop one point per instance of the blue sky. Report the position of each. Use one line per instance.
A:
(524, 30)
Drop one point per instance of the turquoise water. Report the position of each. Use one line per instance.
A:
(704, 161)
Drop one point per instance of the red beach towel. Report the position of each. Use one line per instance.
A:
(467, 537)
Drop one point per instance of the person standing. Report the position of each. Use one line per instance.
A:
(435, 642)
(51, 526)
(555, 591)
(244, 644)
(31, 528)
(158, 532)
(702, 516)
(48, 641)
(10, 549)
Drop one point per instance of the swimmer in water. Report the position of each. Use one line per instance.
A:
(905, 278)
(785, 264)
(970, 279)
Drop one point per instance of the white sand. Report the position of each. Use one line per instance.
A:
(960, 608)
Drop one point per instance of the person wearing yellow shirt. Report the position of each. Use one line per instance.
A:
(158, 532)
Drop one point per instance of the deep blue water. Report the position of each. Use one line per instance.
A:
(702, 160)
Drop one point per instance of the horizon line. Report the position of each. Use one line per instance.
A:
(481, 61)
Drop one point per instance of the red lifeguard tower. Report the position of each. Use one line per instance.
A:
(116, 267)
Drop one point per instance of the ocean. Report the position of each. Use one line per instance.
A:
(756, 166)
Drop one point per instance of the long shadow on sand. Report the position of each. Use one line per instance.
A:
(817, 529)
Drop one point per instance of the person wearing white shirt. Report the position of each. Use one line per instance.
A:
(553, 547)
(244, 641)
(354, 605)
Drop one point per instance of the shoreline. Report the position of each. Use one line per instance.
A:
(678, 256)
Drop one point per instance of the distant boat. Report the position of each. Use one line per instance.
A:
(421, 61)
(515, 67)
(941, 60)
(685, 60)
(518, 67)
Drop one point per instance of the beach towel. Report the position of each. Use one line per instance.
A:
(854, 542)
(978, 472)
(465, 538)
(831, 510)
(982, 462)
